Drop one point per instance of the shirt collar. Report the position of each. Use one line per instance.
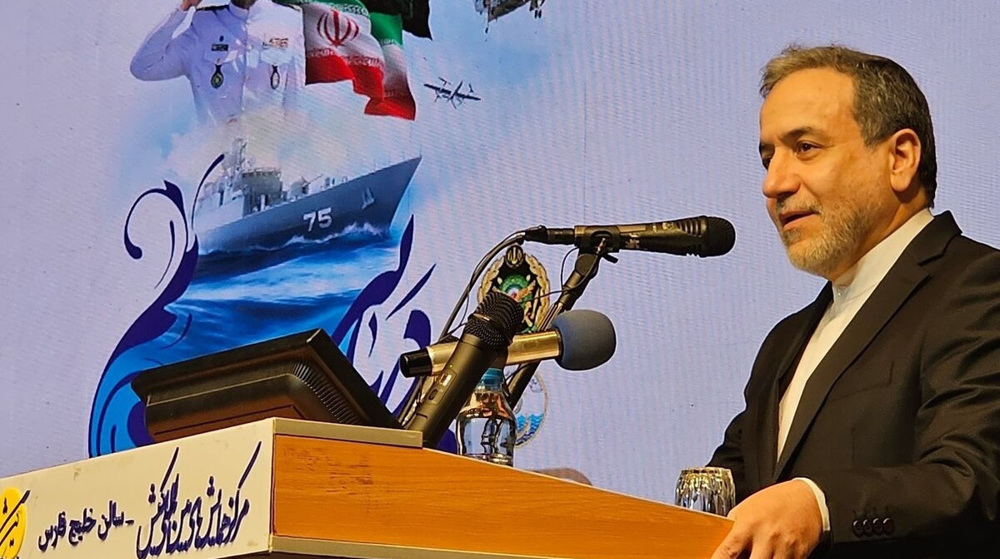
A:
(242, 14)
(875, 264)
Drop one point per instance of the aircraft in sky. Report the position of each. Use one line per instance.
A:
(453, 96)
(497, 8)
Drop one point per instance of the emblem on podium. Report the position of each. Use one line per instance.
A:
(12, 522)
(522, 277)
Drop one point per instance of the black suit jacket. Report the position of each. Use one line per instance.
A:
(900, 422)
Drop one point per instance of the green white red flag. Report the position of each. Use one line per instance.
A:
(397, 100)
(340, 46)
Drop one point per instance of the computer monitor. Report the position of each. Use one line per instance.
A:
(301, 376)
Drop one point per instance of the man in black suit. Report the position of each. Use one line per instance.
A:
(872, 420)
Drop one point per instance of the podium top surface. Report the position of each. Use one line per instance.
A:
(349, 433)
(291, 488)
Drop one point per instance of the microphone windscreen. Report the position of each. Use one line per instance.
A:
(496, 320)
(719, 237)
(588, 339)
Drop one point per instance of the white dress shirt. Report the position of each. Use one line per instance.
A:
(850, 291)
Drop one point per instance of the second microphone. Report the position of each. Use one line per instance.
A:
(578, 340)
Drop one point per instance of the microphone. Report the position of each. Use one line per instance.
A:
(483, 344)
(700, 236)
(579, 340)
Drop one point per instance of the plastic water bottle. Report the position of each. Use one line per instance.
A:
(486, 428)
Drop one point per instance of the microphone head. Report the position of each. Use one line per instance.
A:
(588, 339)
(718, 237)
(496, 320)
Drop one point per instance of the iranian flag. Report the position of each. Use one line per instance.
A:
(340, 46)
(396, 99)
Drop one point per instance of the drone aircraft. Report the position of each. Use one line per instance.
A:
(453, 96)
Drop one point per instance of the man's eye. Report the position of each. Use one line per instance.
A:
(765, 161)
(803, 147)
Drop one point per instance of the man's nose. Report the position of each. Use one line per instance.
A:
(781, 179)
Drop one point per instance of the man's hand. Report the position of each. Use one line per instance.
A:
(188, 4)
(782, 521)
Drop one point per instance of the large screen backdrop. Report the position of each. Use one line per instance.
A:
(161, 203)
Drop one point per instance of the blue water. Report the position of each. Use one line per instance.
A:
(220, 301)
(239, 298)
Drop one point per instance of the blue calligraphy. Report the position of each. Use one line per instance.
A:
(176, 529)
(53, 534)
(113, 519)
(73, 530)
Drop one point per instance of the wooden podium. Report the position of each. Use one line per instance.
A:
(294, 489)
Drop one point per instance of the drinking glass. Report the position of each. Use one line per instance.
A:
(706, 490)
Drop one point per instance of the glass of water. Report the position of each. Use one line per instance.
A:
(706, 490)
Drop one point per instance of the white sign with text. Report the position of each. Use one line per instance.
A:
(200, 497)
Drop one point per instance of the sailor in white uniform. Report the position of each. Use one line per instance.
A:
(246, 55)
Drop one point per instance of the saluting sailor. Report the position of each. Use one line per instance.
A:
(246, 55)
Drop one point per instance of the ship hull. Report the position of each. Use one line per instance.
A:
(367, 201)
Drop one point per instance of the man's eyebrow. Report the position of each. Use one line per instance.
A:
(797, 133)
(788, 138)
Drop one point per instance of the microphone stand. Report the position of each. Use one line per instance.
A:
(584, 270)
(421, 386)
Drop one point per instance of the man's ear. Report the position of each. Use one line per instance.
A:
(904, 158)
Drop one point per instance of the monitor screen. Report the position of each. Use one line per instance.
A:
(300, 376)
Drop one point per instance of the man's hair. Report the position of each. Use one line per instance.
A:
(886, 98)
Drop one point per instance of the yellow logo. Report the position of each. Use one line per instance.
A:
(12, 518)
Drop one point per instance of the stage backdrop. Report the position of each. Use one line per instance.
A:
(166, 200)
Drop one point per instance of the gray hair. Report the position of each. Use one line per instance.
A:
(886, 97)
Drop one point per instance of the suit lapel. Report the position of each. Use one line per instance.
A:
(767, 415)
(904, 277)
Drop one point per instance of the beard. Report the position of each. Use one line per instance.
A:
(846, 225)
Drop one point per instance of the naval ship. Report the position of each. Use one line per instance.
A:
(248, 206)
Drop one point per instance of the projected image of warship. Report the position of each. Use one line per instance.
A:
(248, 206)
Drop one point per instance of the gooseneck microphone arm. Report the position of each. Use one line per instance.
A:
(584, 270)
(701, 236)
(516, 238)
(419, 389)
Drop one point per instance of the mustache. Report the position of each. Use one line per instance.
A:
(782, 206)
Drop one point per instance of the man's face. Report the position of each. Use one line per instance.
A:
(827, 193)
